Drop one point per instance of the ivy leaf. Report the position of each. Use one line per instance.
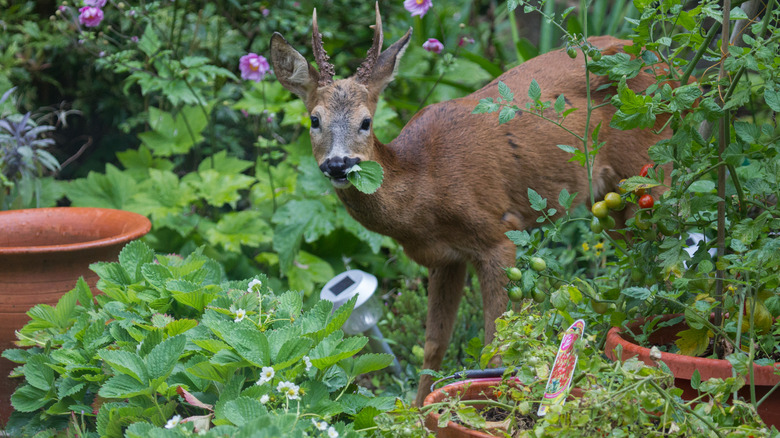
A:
(367, 176)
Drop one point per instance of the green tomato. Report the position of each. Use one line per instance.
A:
(637, 275)
(595, 225)
(642, 220)
(599, 307)
(514, 273)
(614, 201)
(667, 227)
(600, 209)
(516, 294)
(608, 223)
(572, 52)
(538, 264)
(538, 295)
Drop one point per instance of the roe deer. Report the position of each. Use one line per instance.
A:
(455, 182)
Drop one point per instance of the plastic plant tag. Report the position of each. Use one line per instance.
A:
(562, 369)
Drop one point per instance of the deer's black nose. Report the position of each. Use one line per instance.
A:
(337, 167)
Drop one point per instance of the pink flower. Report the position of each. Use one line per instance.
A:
(90, 16)
(418, 7)
(465, 40)
(433, 45)
(95, 3)
(253, 67)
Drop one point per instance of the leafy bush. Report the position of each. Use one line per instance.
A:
(171, 347)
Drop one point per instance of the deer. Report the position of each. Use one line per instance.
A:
(456, 182)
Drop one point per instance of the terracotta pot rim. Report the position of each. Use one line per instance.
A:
(615, 336)
(438, 395)
(137, 226)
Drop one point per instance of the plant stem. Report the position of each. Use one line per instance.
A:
(723, 139)
(702, 50)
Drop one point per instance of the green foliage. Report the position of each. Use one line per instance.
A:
(171, 345)
(625, 399)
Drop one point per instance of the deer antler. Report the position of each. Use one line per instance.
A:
(326, 68)
(364, 71)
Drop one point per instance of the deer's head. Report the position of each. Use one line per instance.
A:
(341, 111)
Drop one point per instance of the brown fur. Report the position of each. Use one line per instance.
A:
(456, 182)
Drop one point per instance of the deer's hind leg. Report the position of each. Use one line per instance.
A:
(492, 281)
(445, 289)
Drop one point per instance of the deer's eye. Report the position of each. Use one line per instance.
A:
(366, 124)
(315, 122)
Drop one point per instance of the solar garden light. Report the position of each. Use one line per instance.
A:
(367, 311)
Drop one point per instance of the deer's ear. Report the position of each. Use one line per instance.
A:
(387, 63)
(291, 68)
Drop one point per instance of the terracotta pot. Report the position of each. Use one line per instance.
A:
(43, 252)
(473, 389)
(682, 367)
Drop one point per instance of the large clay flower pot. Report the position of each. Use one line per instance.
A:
(683, 366)
(43, 252)
(473, 389)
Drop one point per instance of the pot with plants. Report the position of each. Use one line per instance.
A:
(43, 252)
(714, 300)
(606, 396)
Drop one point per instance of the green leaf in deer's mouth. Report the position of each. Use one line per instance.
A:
(366, 176)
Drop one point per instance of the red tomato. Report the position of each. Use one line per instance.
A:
(646, 201)
(644, 170)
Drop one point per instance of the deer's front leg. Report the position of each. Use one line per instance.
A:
(445, 289)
